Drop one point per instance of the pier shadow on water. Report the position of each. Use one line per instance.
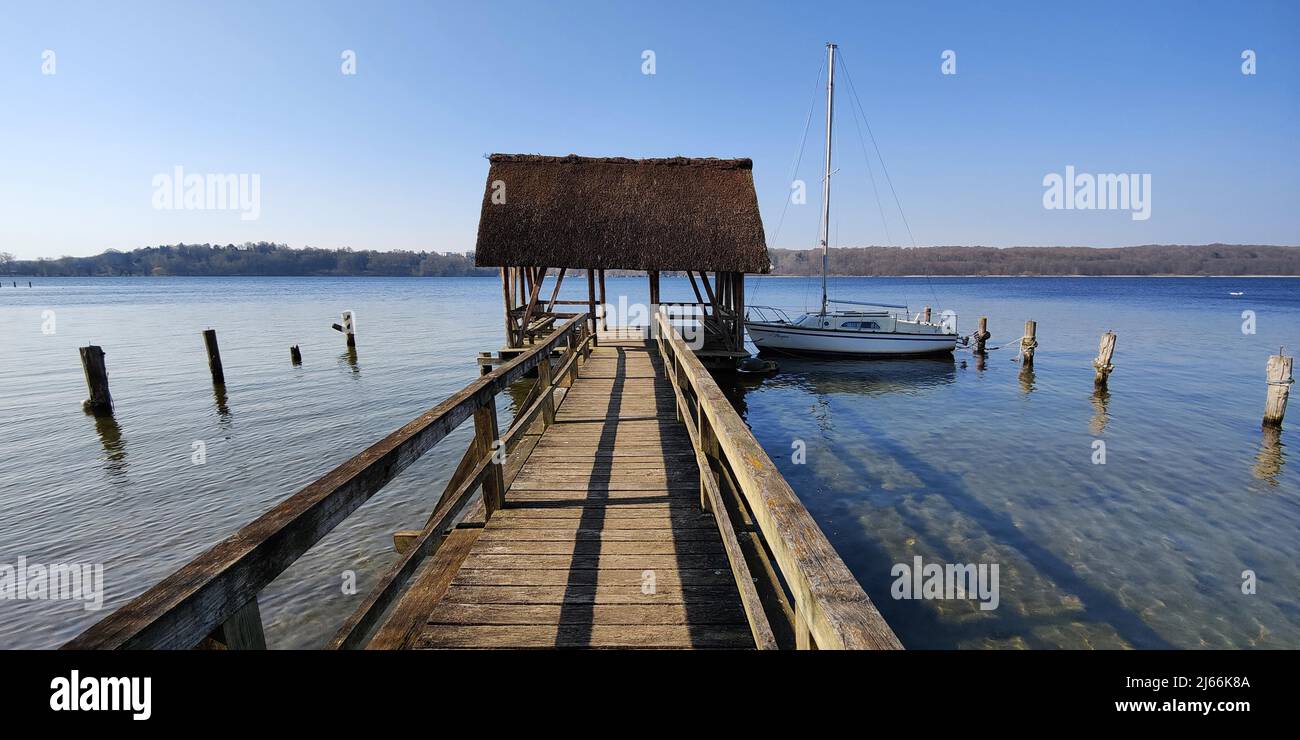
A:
(871, 552)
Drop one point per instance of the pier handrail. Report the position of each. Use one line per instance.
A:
(214, 596)
(830, 609)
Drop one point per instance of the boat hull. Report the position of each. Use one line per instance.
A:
(792, 340)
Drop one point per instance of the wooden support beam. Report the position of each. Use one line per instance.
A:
(485, 435)
(591, 300)
(604, 303)
(242, 631)
(546, 392)
(695, 287)
(739, 307)
(708, 289)
(555, 292)
(526, 322)
(708, 445)
(508, 298)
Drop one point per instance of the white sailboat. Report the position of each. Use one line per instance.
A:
(844, 332)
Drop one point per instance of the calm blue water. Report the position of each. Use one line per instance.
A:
(957, 462)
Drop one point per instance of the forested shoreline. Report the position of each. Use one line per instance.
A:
(268, 259)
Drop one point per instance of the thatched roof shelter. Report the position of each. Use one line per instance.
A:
(609, 213)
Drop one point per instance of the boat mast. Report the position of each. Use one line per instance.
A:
(826, 183)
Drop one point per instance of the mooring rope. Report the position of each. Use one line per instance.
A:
(966, 340)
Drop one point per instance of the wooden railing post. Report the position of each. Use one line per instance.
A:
(570, 347)
(803, 639)
(709, 447)
(546, 392)
(832, 611)
(242, 631)
(485, 435)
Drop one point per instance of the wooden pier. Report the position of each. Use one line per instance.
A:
(626, 506)
(632, 508)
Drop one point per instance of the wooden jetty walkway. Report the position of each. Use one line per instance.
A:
(601, 541)
(627, 506)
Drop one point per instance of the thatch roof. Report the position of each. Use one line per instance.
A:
(615, 213)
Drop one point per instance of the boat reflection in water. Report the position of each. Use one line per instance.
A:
(823, 377)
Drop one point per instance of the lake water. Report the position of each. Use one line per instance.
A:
(953, 461)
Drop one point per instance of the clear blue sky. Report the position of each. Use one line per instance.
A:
(392, 158)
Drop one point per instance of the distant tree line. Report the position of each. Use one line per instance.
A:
(265, 258)
(260, 258)
(1211, 259)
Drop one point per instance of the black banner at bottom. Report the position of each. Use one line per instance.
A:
(249, 691)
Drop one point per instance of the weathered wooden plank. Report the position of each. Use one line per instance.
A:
(595, 562)
(546, 464)
(600, 499)
(471, 576)
(435, 576)
(357, 627)
(660, 593)
(580, 501)
(578, 533)
(596, 636)
(601, 486)
(625, 517)
(569, 615)
(599, 548)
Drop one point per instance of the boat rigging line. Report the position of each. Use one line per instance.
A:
(885, 170)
